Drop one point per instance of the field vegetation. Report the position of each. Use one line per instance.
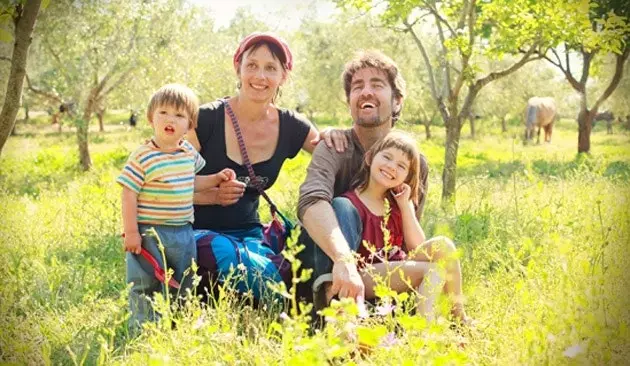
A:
(543, 236)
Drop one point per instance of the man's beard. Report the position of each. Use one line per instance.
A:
(372, 122)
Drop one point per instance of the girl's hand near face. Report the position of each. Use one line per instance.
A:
(402, 195)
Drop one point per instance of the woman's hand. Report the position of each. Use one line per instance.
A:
(229, 192)
(334, 138)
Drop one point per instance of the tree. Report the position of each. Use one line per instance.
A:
(23, 14)
(593, 29)
(466, 32)
(507, 98)
(89, 49)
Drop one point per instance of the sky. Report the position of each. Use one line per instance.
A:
(279, 14)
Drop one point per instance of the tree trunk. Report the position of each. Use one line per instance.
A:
(100, 114)
(585, 125)
(82, 133)
(14, 130)
(503, 124)
(26, 116)
(472, 127)
(24, 24)
(449, 175)
(427, 129)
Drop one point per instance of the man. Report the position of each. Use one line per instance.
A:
(375, 90)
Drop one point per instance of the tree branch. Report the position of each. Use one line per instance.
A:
(574, 83)
(566, 55)
(427, 62)
(46, 94)
(121, 79)
(470, 11)
(619, 64)
(439, 18)
(499, 74)
(587, 57)
(462, 17)
(553, 50)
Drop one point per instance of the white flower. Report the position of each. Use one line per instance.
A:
(573, 351)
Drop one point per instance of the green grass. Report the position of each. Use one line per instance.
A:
(543, 237)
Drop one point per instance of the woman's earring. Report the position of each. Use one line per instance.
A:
(239, 84)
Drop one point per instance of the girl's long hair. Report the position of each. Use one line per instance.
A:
(406, 144)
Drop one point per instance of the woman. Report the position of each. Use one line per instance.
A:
(271, 135)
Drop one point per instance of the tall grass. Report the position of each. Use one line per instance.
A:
(543, 237)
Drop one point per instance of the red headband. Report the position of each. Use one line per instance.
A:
(255, 37)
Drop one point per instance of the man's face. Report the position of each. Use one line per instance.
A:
(371, 99)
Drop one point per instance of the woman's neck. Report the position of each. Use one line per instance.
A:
(248, 110)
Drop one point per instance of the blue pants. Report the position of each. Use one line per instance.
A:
(180, 250)
(244, 260)
(352, 228)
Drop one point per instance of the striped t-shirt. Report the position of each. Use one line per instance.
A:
(164, 182)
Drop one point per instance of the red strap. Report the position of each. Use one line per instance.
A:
(246, 162)
(158, 272)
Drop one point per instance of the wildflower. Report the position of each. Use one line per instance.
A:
(573, 351)
(199, 323)
(284, 316)
(389, 340)
(241, 267)
(385, 309)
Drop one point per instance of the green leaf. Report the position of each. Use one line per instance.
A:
(5, 18)
(5, 36)
(45, 4)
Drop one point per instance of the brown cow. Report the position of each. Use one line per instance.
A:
(541, 113)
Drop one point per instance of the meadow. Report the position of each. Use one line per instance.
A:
(542, 233)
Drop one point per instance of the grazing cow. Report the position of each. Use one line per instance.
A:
(541, 113)
(607, 116)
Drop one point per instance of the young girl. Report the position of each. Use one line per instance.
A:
(390, 173)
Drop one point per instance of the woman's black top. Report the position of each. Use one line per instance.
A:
(293, 131)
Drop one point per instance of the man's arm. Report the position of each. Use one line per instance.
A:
(321, 224)
(319, 220)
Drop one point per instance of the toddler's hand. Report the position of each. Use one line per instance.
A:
(133, 242)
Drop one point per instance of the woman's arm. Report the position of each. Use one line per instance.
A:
(333, 137)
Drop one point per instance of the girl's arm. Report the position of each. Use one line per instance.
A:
(132, 239)
(413, 234)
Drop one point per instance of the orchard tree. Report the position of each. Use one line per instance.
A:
(507, 98)
(466, 32)
(23, 15)
(594, 29)
(92, 48)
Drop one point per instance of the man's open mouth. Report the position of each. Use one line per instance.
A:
(367, 105)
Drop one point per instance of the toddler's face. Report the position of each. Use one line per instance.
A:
(169, 124)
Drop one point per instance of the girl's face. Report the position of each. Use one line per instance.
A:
(389, 168)
(261, 74)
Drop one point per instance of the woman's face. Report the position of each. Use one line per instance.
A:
(261, 74)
